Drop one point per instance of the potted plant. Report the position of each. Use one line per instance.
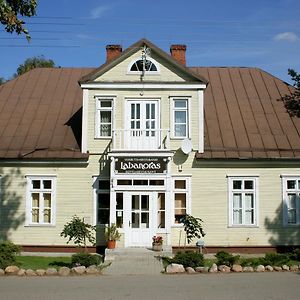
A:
(112, 235)
(157, 242)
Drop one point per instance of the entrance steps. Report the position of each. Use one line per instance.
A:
(135, 261)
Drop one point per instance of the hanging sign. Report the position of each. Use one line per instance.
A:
(141, 165)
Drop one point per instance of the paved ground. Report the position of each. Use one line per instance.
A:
(262, 286)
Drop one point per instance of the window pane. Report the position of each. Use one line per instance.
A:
(161, 222)
(237, 201)
(104, 184)
(180, 130)
(180, 117)
(103, 216)
(249, 217)
(249, 201)
(180, 184)
(145, 202)
(119, 219)
(292, 216)
(35, 199)
(47, 184)
(237, 216)
(291, 200)
(35, 215)
(134, 67)
(105, 130)
(180, 200)
(135, 220)
(119, 199)
(291, 184)
(161, 201)
(135, 203)
(36, 184)
(106, 103)
(104, 201)
(180, 103)
(47, 200)
(179, 214)
(249, 185)
(47, 216)
(144, 220)
(156, 182)
(237, 184)
(140, 182)
(105, 116)
(147, 111)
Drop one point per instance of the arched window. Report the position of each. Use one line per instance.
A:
(137, 66)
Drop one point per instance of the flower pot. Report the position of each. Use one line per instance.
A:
(111, 244)
(156, 247)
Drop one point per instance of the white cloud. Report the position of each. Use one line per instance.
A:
(286, 36)
(99, 11)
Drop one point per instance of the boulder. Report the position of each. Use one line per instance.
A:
(278, 269)
(248, 269)
(175, 268)
(224, 269)
(12, 270)
(237, 268)
(92, 270)
(22, 272)
(260, 268)
(202, 269)
(30, 272)
(40, 272)
(79, 270)
(213, 268)
(51, 272)
(285, 268)
(2, 272)
(64, 271)
(294, 268)
(190, 270)
(269, 268)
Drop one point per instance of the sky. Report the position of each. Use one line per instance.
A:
(74, 33)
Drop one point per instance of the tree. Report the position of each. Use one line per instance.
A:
(2, 80)
(292, 101)
(11, 12)
(192, 227)
(34, 62)
(79, 231)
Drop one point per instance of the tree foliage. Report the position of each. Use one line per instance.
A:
(11, 12)
(79, 232)
(2, 80)
(292, 101)
(192, 227)
(34, 62)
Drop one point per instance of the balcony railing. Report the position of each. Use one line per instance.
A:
(136, 139)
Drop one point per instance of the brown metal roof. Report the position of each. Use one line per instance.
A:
(243, 117)
(40, 115)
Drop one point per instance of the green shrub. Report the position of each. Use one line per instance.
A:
(86, 259)
(275, 259)
(188, 259)
(251, 262)
(8, 252)
(295, 255)
(225, 258)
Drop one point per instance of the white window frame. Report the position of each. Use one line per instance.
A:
(285, 191)
(187, 191)
(98, 110)
(146, 72)
(188, 121)
(30, 190)
(243, 191)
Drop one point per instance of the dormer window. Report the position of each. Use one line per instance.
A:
(138, 66)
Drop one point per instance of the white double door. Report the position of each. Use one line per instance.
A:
(139, 218)
(142, 124)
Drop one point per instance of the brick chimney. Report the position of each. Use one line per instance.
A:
(112, 52)
(178, 52)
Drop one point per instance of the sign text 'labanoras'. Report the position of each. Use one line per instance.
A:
(141, 165)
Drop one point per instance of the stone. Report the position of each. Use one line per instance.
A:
(91, 270)
(202, 269)
(64, 271)
(224, 269)
(30, 272)
(2, 272)
(22, 272)
(294, 268)
(285, 268)
(51, 272)
(237, 268)
(260, 268)
(269, 268)
(213, 268)
(278, 269)
(12, 270)
(175, 268)
(248, 269)
(190, 270)
(79, 270)
(40, 272)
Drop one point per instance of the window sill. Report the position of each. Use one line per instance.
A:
(103, 138)
(39, 225)
(243, 226)
(291, 225)
(177, 226)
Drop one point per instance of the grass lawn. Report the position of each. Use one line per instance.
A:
(43, 262)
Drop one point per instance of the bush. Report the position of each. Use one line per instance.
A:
(275, 259)
(189, 259)
(225, 258)
(8, 252)
(295, 255)
(86, 259)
